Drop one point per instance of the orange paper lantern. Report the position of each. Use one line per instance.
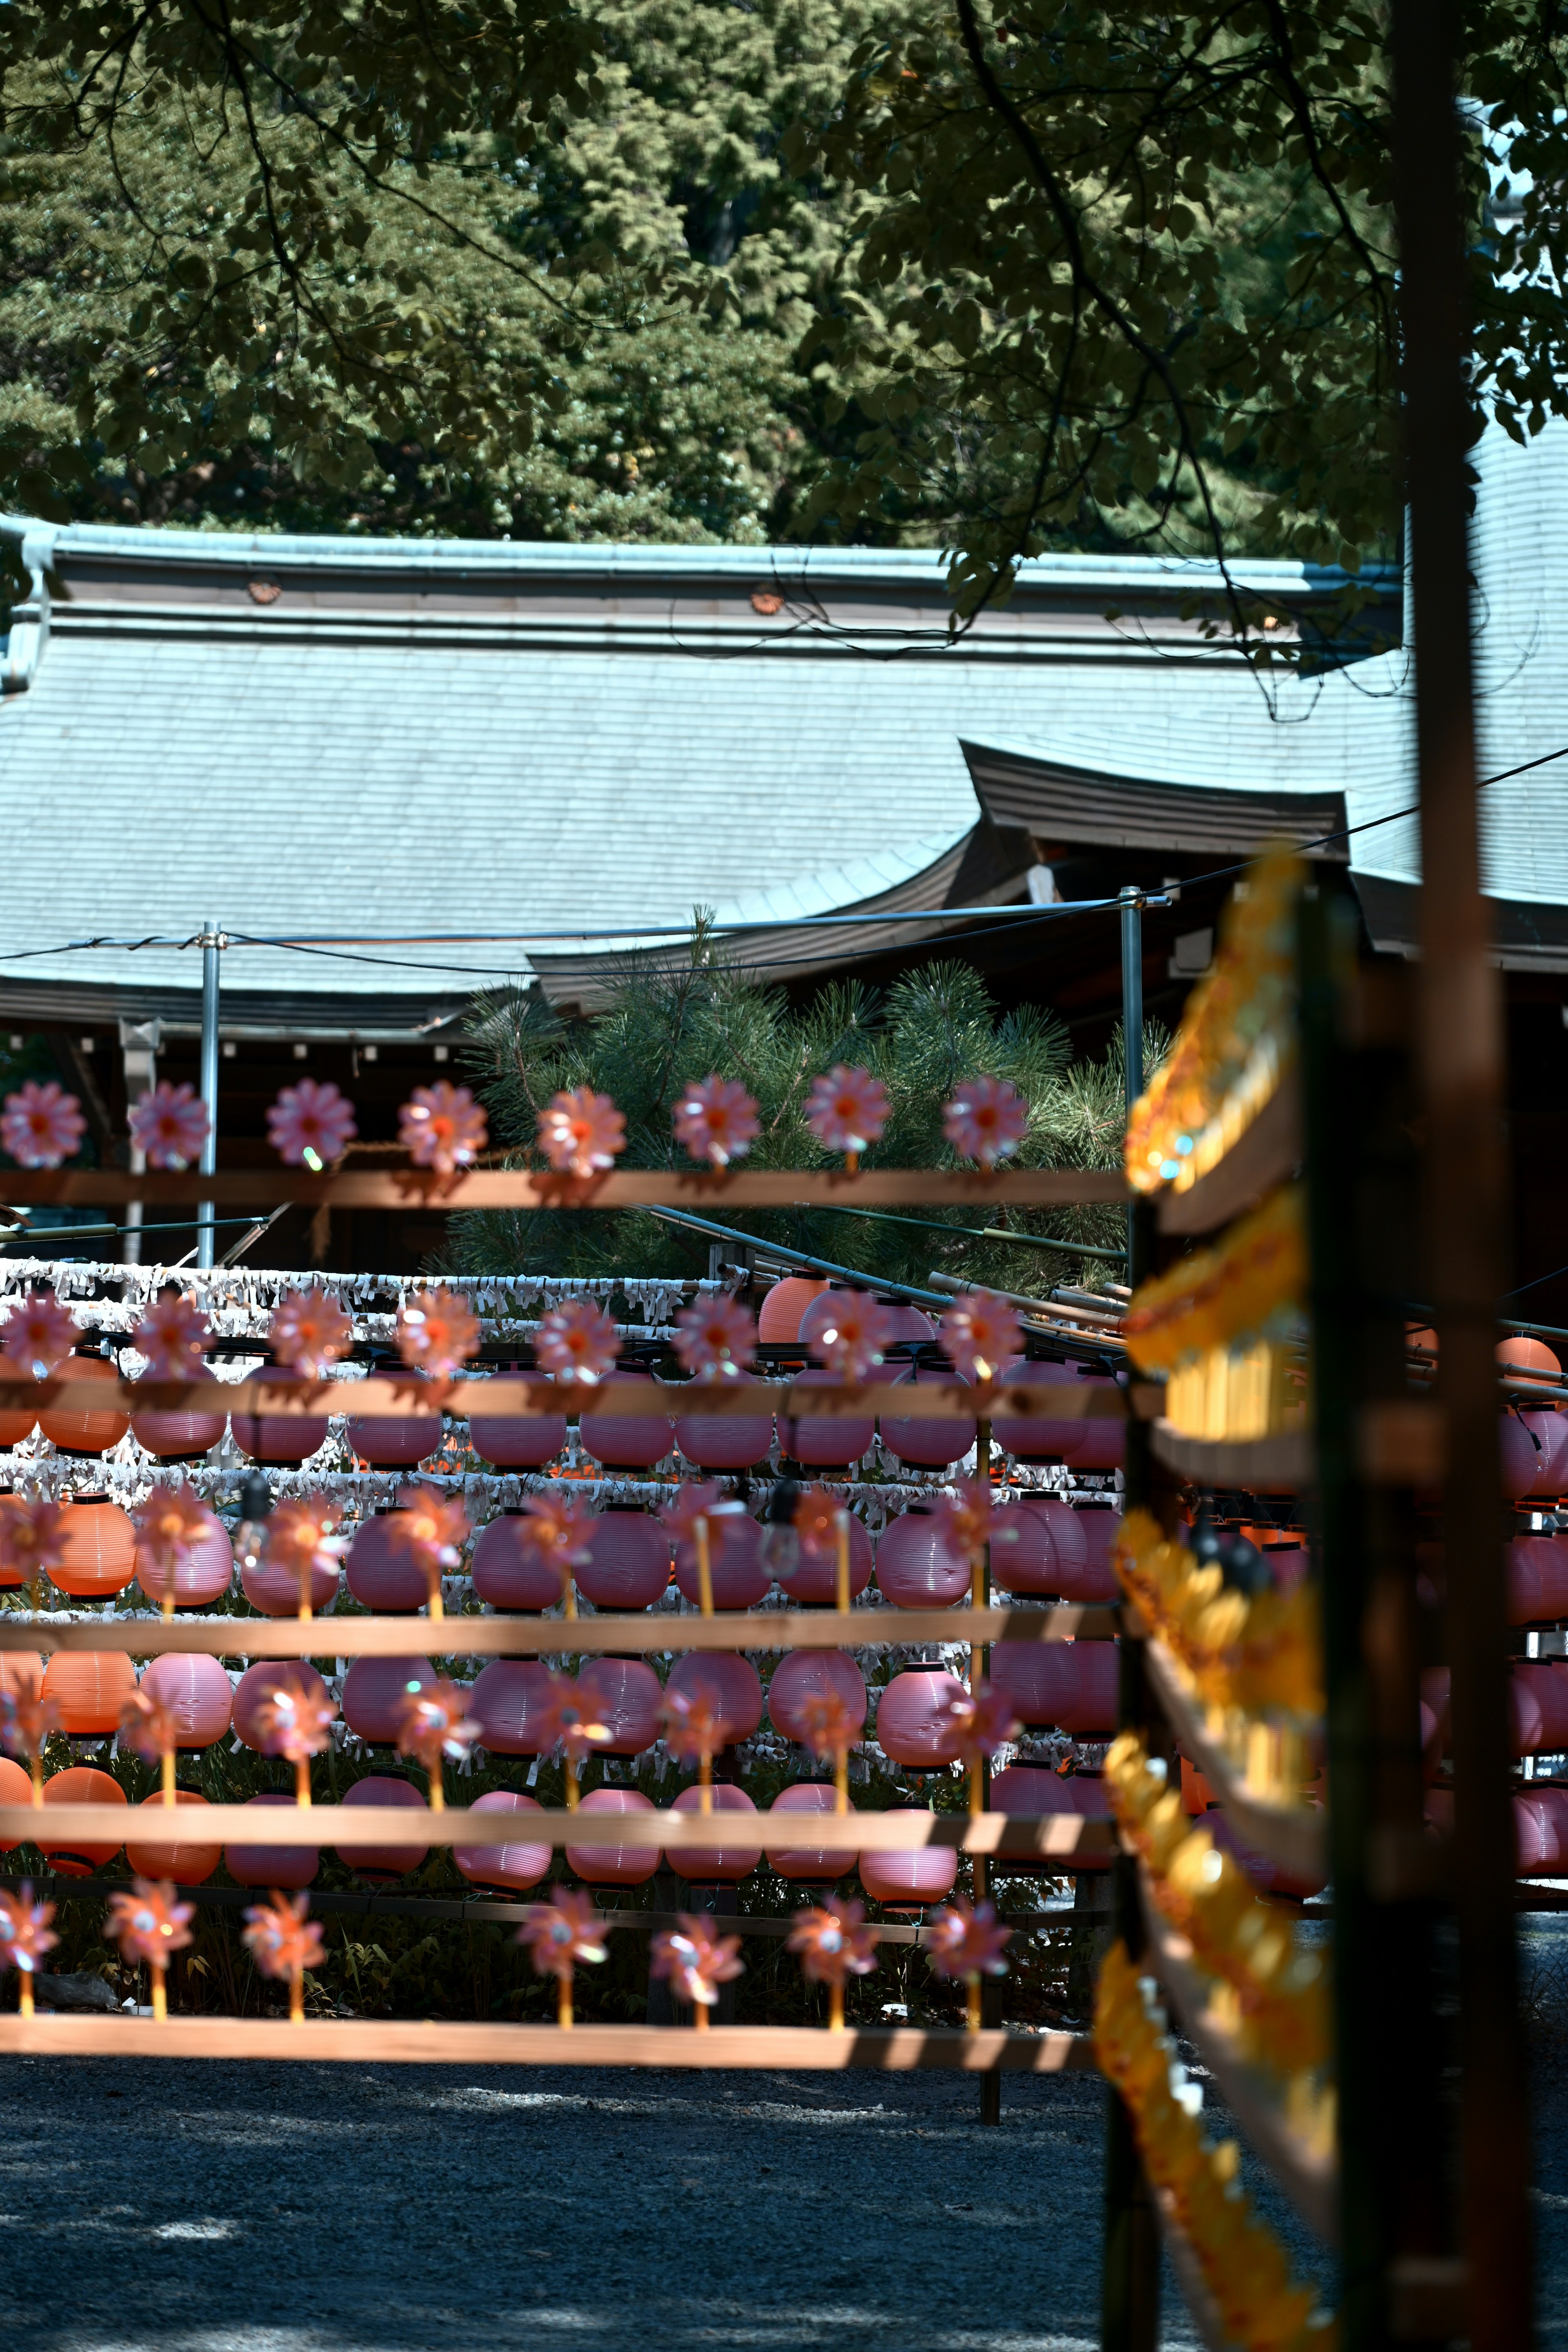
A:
(77, 1857)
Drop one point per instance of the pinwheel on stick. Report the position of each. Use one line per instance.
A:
(431, 1527)
(822, 1526)
(833, 1942)
(696, 1729)
(983, 1720)
(557, 1935)
(295, 1719)
(25, 1937)
(283, 1942)
(151, 1729)
(556, 1530)
(694, 1963)
(432, 1725)
(32, 1541)
(965, 1941)
(149, 1925)
(168, 1522)
(26, 1718)
(832, 1727)
(302, 1534)
(567, 1723)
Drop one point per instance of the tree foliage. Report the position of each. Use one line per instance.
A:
(269, 272)
(1102, 252)
(663, 1031)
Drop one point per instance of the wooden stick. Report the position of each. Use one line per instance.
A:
(650, 1629)
(835, 2006)
(894, 1831)
(24, 1992)
(169, 1796)
(296, 1996)
(160, 1995)
(521, 1188)
(973, 2004)
(377, 2042)
(841, 1520)
(302, 1781)
(704, 1566)
(563, 2001)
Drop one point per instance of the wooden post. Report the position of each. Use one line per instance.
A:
(1460, 1052)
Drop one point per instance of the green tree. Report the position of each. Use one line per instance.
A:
(248, 279)
(1101, 256)
(664, 1030)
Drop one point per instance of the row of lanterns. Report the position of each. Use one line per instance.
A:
(1043, 1545)
(618, 1442)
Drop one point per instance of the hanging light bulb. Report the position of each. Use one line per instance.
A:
(255, 1509)
(779, 1551)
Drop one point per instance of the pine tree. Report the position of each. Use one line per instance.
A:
(932, 1028)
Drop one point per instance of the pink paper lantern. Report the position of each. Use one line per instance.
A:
(382, 1574)
(1101, 1524)
(734, 1557)
(615, 1866)
(736, 1441)
(724, 1866)
(910, 1326)
(197, 1692)
(1023, 1553)
(517, 1441)
(1072, 1685)
(276, 1436)
(250, 1694)
(1540, 1825)
(913, 1720)
(825, 1440)
(1104, 1438)
(379, 1864)
(814, 1581)
(283, 1866)
(1538, 1707)
(394, 1441)
(1519, 1456)
(778, 1322)
(812, 1866)
(628, 1565)
(910, 1880)
(1549, 1429)
(202, 1574)
(1536, 1569)
(510, 1699)
(177, 1436)
(916, 1567)
(801, 1675)
(273, 1586)
(374, 1690)
(512, 1868)
(508, 1570)
(626, 1695)
(928, 1445)
(734, 1680)
(1042, 1436)
(624, 1440)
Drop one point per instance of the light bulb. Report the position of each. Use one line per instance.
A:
(254, 1508)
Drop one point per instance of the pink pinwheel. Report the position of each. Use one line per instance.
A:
(302, 1534)
(25, 1937)
(965, 1519)
(443, 1128)
(983, 1720)
(567, 1722)
(38, 1334)
(294, 1720)
(149, 1925)
(833, 1943)
(26, 1718)
(832, 1727)
(41, 1126)
(560, 1935)
(309, 1332)
(309, 1124)
(965, 1941)
(433, 1526)
(168, 1521)
(816, 1522)
(981, 1336)
(986, 1120)
(284, 1943)
(172, 1335)
(556, 1530)
(581, 1132)
(436, 1333)
(151, 1729)
(717, 1120)
(697, 1500)
(857, 1339)
(32, 1541)
(170, 1125)
(695, 1962)
(577, 1341)
(715, 1339)
(432, 1724)
(696, 1727)
(847, 1111)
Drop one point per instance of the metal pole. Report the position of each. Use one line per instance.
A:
(1132, 904)
(212, 944)
(1460, 1052)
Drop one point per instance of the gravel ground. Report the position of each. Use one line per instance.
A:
(186, 2207)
